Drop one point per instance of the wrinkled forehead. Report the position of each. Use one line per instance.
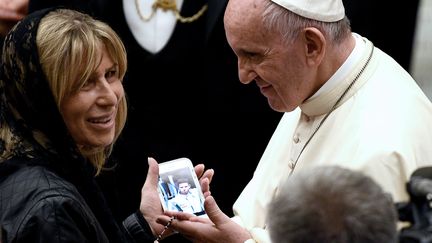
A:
(244, 19)
(245, 12)
(244, 26)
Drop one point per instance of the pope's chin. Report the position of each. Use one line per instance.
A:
(278, 106)
(272, 98)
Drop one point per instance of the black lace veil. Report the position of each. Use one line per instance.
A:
(38, 133)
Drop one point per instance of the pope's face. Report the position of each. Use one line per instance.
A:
(90, 112)
(278, 68)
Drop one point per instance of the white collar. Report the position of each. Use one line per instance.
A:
(346, 67)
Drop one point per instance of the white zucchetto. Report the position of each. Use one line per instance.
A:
(321, 10)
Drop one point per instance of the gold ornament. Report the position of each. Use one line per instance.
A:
(169, 5)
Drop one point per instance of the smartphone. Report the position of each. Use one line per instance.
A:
(179, 188)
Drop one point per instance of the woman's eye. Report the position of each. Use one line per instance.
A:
(110, 74)
(88, 84)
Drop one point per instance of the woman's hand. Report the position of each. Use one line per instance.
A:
(150, 205)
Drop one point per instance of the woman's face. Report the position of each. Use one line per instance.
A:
(90, 113)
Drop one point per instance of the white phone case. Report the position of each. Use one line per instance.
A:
(179, 188)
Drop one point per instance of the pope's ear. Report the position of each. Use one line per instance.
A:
(314, 45)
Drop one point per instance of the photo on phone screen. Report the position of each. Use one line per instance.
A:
(179, 188)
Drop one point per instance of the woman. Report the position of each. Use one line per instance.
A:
(183, 78)
(62, 107)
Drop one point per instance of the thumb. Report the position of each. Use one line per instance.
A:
(213, 211)
(152, 173)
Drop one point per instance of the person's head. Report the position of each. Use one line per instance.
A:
(90, 96)
(331, 204)
(183, 186)
(290, 48)
(77, 72)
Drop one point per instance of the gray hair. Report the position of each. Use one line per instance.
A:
(289, 24)
(331, 204)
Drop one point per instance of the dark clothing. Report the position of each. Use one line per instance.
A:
(393, 34)
(39, 206)
(47, 188)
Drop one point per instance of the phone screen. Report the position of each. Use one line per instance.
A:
(179, 188)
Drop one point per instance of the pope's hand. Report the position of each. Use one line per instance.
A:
(218, 227)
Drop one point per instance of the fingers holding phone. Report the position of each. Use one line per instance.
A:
(179, 187)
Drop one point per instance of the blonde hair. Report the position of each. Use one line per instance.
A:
(69, 44)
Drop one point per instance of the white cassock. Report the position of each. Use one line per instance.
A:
(382, 127)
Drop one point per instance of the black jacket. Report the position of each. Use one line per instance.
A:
(37, 205)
